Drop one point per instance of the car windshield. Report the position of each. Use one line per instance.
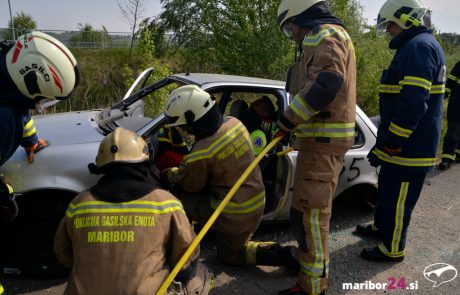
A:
(142, 103)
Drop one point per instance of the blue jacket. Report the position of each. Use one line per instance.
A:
(411, 101)
(16, 125)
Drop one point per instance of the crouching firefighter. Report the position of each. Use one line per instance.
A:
(123, 235)
(34, 70)
(221, 153)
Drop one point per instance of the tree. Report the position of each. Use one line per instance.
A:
(22, 24)
(132, 11)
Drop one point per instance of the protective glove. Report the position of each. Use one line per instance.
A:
(374, 161)
(8, 206)
(279, 132)
(35, 148)
(167, 174)
(392, 151)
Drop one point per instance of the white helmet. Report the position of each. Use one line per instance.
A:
(41, 66)
(405, 13)
(291, 8)
(187, 104)
(122, 146)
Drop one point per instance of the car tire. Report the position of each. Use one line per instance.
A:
(29, 246)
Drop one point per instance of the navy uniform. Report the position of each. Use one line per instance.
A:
(411, 101)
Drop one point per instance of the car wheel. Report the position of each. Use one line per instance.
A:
(361, 192)
(29, 249)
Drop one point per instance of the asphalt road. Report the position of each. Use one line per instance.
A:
(434, 237)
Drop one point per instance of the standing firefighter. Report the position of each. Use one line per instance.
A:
(220, 155)
(35, 69)
(123, 235)
(411, 101)
(322, 84)
(451, 146)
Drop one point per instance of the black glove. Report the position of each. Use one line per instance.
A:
(278, 132)
(8, 206)
(373, 159)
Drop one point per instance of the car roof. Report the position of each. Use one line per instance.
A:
(204, 80)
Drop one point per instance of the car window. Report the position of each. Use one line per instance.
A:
(359, 138)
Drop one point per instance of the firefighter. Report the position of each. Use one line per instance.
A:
(221, 153)
(322, 84)
(34, 70)
(411, 102)
(123, 235)
(451, 146)
(171, 148)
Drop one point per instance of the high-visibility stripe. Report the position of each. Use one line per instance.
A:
(399, 217)
(251, 251)
(447, 90)
(247, 206)
(10, 189)
(214, 148)
(317, 248)
(416, 81)
(410, 162)
(453, 78)
(438, 89)
(325, 33)
(311, 269)
(335, 130)
(302, 109)
(457, 151)
(383, 88)
(163, 139)
(374, 227)
(182, 144)
(151, 207)
(388, 253)
(399, 130)
(448, 156)
(29, 129)
(396, 89)
(1, 289)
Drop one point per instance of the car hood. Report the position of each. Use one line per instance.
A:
(68, 128)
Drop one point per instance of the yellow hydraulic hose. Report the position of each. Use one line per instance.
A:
(213, 218)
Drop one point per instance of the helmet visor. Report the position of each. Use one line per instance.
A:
(44, 103)
(381, 27)
(287, 28)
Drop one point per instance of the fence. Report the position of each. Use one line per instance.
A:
(81, 39)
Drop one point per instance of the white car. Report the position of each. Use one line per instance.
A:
(60, 171)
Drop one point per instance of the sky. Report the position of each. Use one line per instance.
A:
(66, 14)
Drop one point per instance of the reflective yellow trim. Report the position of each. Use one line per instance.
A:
(453, 78)
(410, 162)
(163, 139)
(314, 40)
(302, 109)
(1, 289)
(438, 89)
(10, 189)
(317, 250)
(251, 205)
(250, 253)
(334, 130)
(210, 151)
(387, 253)
(448, 156)
(399, 130)
(151, 207)
(399, 217)
(29, 129)
(29, 133)
(383, 88)
(457, 151)
(374, 227)
(447, 90)
(29, 124)
(416, 81)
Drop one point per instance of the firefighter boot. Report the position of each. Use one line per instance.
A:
(375, 255)
(368, 230)
(445, 164)
(296, 290)
(273, 254)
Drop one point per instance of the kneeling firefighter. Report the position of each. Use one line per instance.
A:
(221, 153)
(123, 235)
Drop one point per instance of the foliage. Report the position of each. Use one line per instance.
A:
(132, 11)
(89, 37)
(23, 23)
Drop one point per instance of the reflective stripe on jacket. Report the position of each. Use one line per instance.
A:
(122, 248)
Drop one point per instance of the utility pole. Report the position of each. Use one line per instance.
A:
(12, 22)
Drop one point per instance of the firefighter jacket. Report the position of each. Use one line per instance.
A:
(453, 88)
(122, 248)
(214, 165)
(411, 101)
(322, 84)
(16, 125)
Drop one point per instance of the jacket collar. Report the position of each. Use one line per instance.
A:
(401, 39)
